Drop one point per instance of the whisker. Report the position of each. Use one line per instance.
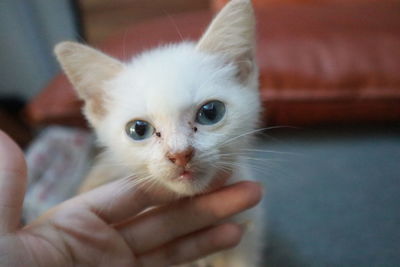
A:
(171, 19)
(270, 151)
(126, 184)
(261, 159)
(248, 133)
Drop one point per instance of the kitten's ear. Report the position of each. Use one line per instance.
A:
(87, 69)
(232, 35)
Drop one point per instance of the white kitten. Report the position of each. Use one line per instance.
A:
(176, 115)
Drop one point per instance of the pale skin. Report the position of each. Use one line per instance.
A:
(100, 228)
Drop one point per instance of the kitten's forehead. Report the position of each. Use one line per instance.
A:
(169, 81)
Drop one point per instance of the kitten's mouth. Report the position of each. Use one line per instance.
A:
(189, 182)
(186, 175)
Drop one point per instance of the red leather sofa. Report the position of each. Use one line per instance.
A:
(320, 61)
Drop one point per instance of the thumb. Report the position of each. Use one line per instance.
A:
(12, 184)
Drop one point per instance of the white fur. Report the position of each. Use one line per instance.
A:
(166, 87)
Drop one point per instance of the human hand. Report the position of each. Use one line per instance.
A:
(101, 228)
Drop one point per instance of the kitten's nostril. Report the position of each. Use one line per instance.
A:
(172, 159)
(181, 158)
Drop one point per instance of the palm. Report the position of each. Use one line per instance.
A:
(75, 237)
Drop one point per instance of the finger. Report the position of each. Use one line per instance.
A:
(188, 215)
(12, 184)
(194, 246)
(113, 203)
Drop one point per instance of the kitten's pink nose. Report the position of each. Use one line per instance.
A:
(181, 158)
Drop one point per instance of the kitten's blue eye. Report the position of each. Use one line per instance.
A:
(139, 130)
(211, 113)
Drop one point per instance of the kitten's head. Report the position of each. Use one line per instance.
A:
(177, 114)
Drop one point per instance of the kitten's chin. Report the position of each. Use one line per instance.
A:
(190, 183)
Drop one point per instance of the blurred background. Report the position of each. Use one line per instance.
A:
(330, 85)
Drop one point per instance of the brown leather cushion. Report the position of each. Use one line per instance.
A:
(58, 104)
(318, 64)
(331, 63)
(216, 5)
